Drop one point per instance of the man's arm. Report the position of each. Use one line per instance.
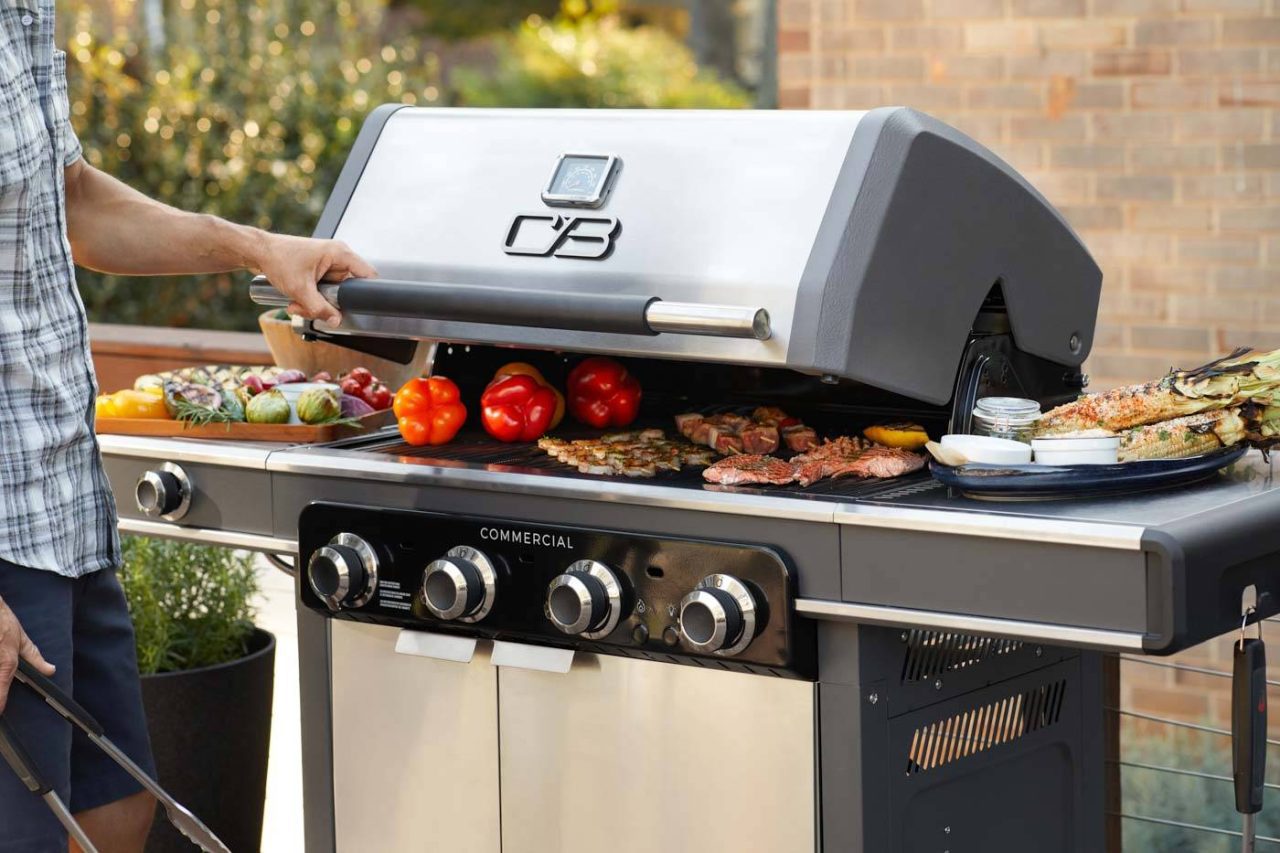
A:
(114, 228)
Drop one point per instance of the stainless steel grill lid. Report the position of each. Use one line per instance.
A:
(855, 244)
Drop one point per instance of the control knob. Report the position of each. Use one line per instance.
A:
(586, 600)
(344, 573)
(459, 586)
(165, 493)
(718, 617)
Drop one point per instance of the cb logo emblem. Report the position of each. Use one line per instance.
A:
(557, 235)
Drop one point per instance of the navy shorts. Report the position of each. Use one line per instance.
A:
(81, 626)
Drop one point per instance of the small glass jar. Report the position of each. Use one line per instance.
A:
(1006, 417)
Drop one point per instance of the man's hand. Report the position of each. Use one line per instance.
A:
(15, 644)
(294, 265)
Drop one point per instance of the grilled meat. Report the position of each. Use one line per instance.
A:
(640, 453)
(773, 416)
(799, 438)
(883, 463)
(853, 456)
(759, 438)
(841, 447)
(763, 433)
(750, 468)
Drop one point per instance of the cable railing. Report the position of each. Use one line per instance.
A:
(1131, 764)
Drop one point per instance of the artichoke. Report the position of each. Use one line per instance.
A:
(319, 406)
(269, 407)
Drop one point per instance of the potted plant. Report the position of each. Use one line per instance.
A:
(207, 679)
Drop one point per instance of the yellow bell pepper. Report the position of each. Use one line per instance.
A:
(104, 407)
(131, 404)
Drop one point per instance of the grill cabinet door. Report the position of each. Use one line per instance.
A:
(415, 747)
(634, 756)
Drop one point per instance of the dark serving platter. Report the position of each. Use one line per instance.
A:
(1060, 482)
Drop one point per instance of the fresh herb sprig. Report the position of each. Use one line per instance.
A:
(197, 416)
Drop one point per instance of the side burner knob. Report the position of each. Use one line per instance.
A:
(344, 573)
(460, 586)
(718, 617)
(164, 493)
(586, 600)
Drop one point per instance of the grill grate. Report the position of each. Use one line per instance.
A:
(933, 653)
(979, 729)
(474, 449)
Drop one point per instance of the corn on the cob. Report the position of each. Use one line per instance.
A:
(1190, 435)
(1217, 385)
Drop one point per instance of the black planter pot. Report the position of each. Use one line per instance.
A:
(211, 734)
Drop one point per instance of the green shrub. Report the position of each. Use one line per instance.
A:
(247, 112)
(1187, 799)
(594, 61)
(191, 604)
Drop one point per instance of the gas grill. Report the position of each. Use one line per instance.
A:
(500, 653)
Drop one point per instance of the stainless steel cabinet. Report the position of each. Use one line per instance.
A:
(634, 756)
(415, 747)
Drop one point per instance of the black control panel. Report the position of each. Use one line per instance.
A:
(723, 605)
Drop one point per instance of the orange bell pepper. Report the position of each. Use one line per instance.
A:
(429, 410)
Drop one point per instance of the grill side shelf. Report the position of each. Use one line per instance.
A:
(1199, 566)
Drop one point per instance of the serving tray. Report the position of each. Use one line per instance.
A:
(1061, 482)
(290, 433)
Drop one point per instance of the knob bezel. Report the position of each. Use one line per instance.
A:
(154, 481)
(741, 595)
(613, 599)
(488, 576)
(369, 562)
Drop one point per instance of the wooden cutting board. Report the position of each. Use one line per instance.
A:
(290, 433)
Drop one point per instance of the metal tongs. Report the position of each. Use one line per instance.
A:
(16, 755)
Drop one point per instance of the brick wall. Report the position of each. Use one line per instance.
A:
(1154, 125)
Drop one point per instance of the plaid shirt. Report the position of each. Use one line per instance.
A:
(56, 509)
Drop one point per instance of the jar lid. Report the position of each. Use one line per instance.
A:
(1007, 407)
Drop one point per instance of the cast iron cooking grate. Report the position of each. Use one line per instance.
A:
(934, 653)
(475, 449)
(979, 729)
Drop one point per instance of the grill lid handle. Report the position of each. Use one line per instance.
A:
(508, 306)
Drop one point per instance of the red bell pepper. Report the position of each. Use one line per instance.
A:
(602, 393)
(429, 411)
(517, 408)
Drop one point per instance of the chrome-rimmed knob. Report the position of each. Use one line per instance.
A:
(459, 586)
(163, 493)
(718, 617)
(586, 600)
(344, 573)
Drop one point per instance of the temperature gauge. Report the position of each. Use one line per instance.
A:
(581, 180)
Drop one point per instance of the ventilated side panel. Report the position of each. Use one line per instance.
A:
(982, 727)
(1007, 765)
(934, 653)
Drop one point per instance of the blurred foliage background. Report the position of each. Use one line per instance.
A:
(246, 108)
